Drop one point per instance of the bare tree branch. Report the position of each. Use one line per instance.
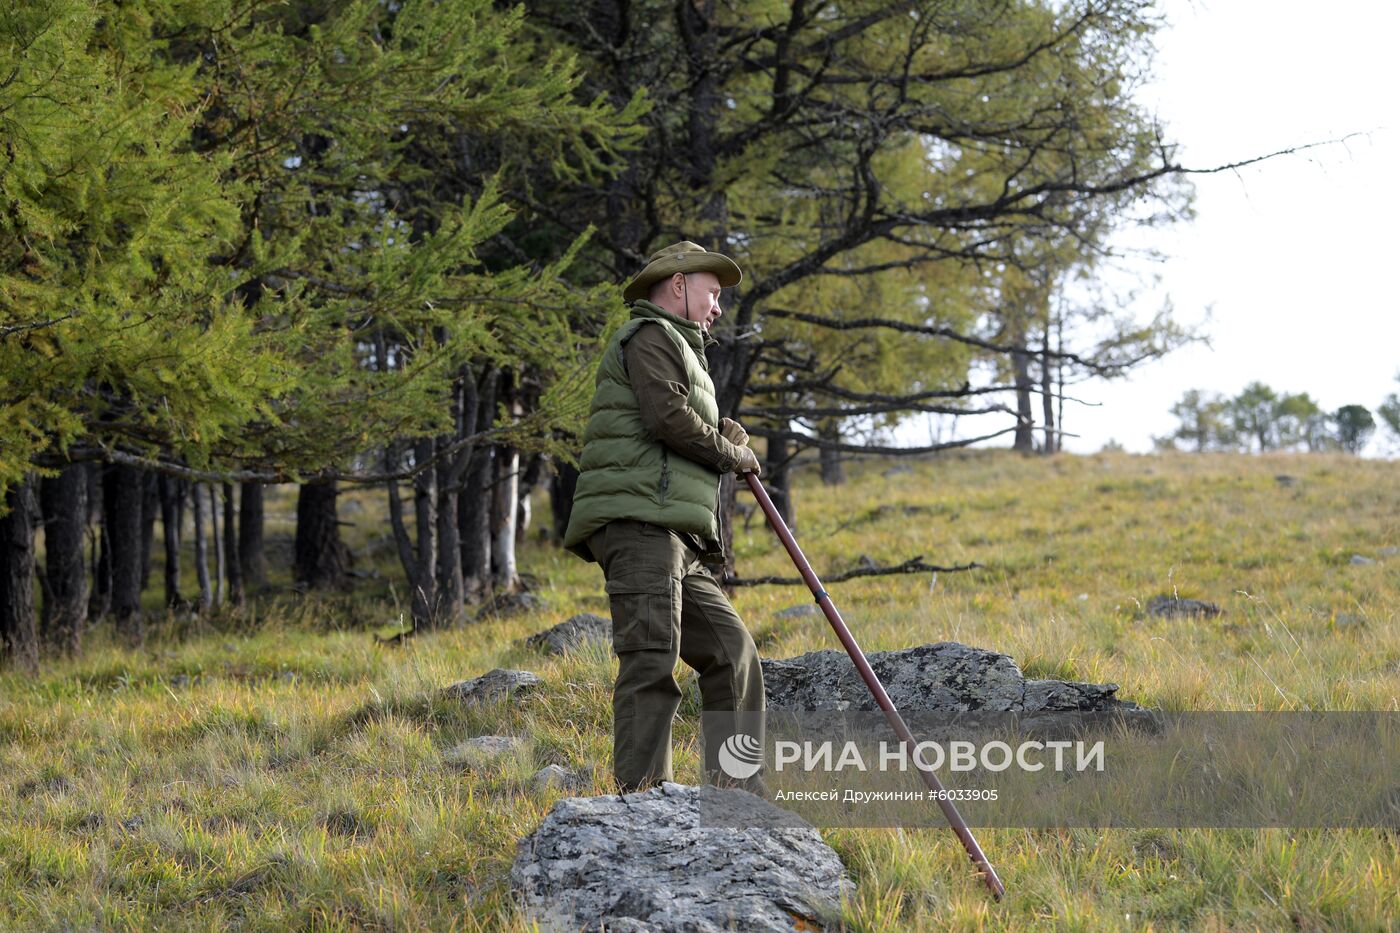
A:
(10, 329)
(912, 565)
(949, 333)
(811, 441)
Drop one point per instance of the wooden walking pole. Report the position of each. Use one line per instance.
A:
(877, 689)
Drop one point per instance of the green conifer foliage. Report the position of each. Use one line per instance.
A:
(115, 327)
(212, 209)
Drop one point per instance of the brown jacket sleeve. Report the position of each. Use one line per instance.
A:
(657, 370)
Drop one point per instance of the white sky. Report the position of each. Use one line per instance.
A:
(1294, 255)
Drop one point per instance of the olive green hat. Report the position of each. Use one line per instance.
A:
(684, 256)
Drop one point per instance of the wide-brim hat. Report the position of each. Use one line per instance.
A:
(684, 256)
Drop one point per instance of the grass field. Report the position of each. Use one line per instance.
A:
(282, 769)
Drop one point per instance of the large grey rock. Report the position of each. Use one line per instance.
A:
(1169, 607)
(643, 862)
(946, 676)
(493, 686)
(572, 633)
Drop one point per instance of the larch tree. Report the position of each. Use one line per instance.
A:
(116, 332)
(775, 132)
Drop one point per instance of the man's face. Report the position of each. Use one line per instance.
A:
(701, 295)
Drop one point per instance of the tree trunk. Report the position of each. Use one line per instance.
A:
(1025, 420)
(252, 558)
(172, 500)
(218, 540)
(124, 495)
(1060, 382)
(64, 502)
(233, 566)
(1047, 397)
(150, 507)
(201, 547)
(100, 597)
(425, 518)
(419, 582)
(19, 643)
(777, 478)
(506, 498)
(474, 502)
(529, 479)
(320, 557)
(474, 525)
(832, 466)
(451, 592)
(561, 496)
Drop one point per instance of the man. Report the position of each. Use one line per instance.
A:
(647, 509)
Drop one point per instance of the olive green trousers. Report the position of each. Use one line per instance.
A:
(665, 604)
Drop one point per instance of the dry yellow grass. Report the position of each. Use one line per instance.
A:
(287, 771)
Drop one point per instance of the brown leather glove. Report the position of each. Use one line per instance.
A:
(730, 430)
(748, 462)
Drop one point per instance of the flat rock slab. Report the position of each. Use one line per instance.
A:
(643, 862)
(1169, 607)
(946, 676)
(572, 633)
(493, 686)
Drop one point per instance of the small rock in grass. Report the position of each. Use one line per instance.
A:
(572, 633)
(801, 610)
(1283, 479)
(1169, 607)
(509, 604)
(483, 750)
(53, 784)
(559, 777)
(1388, 551)
(1361, 560)
(493, 686)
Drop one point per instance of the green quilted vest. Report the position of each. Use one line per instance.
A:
(625, 474)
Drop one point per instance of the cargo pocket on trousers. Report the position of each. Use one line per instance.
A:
(643, 607)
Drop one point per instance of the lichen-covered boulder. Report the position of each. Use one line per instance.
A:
(493, 686)
(946, 676)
